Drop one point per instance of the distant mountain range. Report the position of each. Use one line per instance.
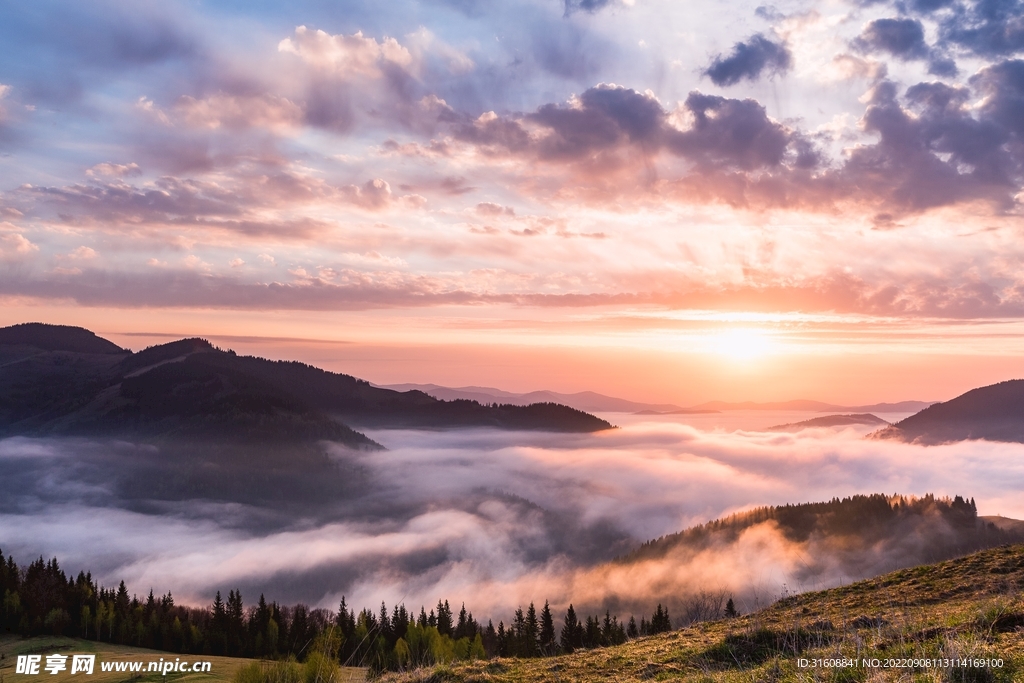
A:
(830, 421)
(58, 380)
(817, 406)
(599, 403)
(995, 413)
(583, 400)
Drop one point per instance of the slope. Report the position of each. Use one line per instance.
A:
(51, 386)
(958, 620)
(994, 412)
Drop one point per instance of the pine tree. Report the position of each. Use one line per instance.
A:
(531, 632)
(462, 629)
(730, 609)
(631, 630)
(660, 622)
(518, 629)
(547, 631)
(444, 619)
(570, 638)
(502, 640)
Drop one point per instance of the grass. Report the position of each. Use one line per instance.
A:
(223, 669)
(971, 607)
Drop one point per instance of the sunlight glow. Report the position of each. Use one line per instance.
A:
(743, 344)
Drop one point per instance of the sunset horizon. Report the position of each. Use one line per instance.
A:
(588, 340)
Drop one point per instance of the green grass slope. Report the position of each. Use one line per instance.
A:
(968, 608)
(222, 670)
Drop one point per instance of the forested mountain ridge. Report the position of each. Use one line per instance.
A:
(859, 534)
(57, 380)
(994, 413)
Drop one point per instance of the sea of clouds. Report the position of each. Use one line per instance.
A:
(490, 518)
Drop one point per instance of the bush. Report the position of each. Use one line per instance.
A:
(269, 672)
(319, 668)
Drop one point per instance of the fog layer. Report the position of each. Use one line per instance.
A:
(495, 519)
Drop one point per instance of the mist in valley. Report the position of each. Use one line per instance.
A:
(490, 518)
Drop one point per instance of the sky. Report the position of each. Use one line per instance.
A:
(659, 200)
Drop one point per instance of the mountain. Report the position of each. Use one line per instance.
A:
(995, 413)
(815, 406)
(860, 535)
(56, 338)
(599, 403)
(583, 400)
(57, 380)
(830, 421)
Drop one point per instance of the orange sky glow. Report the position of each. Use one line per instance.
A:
(660, 201)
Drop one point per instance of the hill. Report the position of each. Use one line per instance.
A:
(957, 620)
(583, 400)
(60, 380)
(56, 338)
(995, 413)
(830, 421)
(853, 537)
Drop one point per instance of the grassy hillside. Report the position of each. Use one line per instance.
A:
(971, 607)
(223, 669)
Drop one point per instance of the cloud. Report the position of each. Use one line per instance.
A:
(14, 246)
(238, 112)
(229, 204)
(1002, 86)
(989, 28)
(491, 209)
(903, 38)
(114, 170)
(734, 133)
(346, 56)
(913, 141)
(591, 6)
(749, 60)
(608, 118)
(494, 518)
(69, 50)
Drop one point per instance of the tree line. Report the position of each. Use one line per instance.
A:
(42, 599)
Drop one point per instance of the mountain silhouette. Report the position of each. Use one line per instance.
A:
(994, 413)
(57, 380)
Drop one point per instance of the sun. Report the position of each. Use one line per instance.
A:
(743, 344)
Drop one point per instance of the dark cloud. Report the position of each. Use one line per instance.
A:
(609, 116)
(748, 60)
(733, 133)
(1002, 85)
(591, 6)
(926, 6)
(943, 67)
(901, 38)
(990, 28)
(605, 119)
(904, 39)
(906, 167)
(769, 13)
